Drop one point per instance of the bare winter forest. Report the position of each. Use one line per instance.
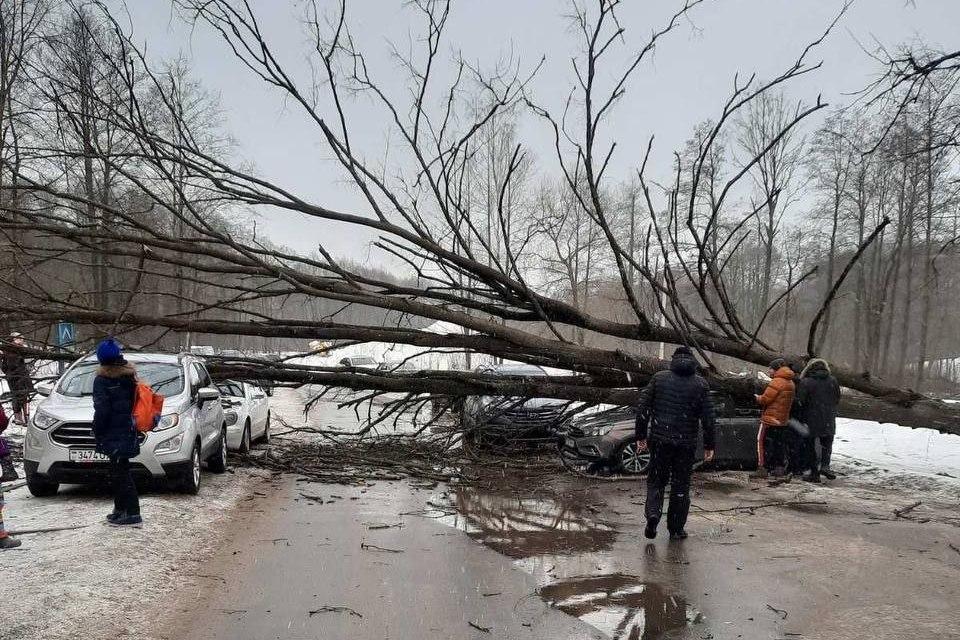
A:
(783, 226)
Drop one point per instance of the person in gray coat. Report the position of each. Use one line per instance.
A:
(818, 395)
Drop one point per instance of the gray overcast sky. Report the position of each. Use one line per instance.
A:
(684, 83)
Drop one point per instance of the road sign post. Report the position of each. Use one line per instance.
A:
(66, 337)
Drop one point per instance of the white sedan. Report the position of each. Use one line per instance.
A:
(247, 411)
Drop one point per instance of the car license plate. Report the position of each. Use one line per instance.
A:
(87, 455)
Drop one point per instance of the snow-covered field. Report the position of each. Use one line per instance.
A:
(900, 449)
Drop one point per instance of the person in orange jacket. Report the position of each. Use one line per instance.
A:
(776, 401)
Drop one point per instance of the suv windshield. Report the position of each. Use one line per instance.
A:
(163, 377)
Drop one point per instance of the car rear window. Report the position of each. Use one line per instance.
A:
(163, 377)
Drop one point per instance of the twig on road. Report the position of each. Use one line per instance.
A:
(478, 627)
(780, 612)
(23, 532)
(335, 609)
(373, 547)
(899, 513)
(762, 505)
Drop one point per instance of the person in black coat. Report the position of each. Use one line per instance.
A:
(672, 408)
(818, 395)
(15, 369)
(113, 428)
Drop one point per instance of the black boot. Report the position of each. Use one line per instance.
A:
(810, 476)
(678, 535)
(9, 473)
(651, 531)
(829, 475)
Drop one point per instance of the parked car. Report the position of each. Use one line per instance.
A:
(59, 443)
(203, 350)
(397, 367)
(231, 353)
(607, 439)
(247, 411)
(502, 420)
(359, 362)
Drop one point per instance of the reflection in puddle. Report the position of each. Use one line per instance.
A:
(621, 606)
(526, 527)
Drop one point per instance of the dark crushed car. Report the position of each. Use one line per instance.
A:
(607, 440)
(507, 421)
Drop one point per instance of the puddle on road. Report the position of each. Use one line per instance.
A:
(527, 527)
(540, 530)
(621, 606)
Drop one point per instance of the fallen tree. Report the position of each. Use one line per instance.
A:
(673, 284)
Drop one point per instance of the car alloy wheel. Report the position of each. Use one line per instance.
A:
(195, 466)
(633, 461)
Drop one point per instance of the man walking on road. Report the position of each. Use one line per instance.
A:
(672, 408)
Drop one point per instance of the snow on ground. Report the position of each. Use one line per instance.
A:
(897, 448)
(97, 581)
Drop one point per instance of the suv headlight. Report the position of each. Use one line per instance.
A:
(43, 420)
(230, 417)
(167, 422)
(170, 445)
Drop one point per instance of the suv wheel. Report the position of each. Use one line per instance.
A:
(191, 480)
(218, 461)
(632, 462)
(40, 487)
(245, 438)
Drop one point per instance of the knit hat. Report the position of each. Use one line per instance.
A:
(776, 363)
(682, 351)
(109, 351)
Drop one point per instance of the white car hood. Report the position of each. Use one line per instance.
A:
(80, 409)
(68, 408)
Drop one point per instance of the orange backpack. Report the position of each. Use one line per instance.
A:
(147, 406)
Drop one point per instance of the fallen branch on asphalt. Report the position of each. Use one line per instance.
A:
(900, 513)
(763, 505)
(373, 547)
(24, 532)
(337, 609)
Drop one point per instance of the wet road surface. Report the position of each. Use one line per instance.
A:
(567, 560)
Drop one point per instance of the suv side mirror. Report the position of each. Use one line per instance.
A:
(45, 388)
(206, 394)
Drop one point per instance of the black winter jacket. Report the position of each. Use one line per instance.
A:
(818, 394)
(674, 405)
(15, 369)
(113, 428)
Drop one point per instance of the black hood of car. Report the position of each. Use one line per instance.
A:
(591, 421)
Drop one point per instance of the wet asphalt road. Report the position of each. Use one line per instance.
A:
(567, 560)
(327, 570)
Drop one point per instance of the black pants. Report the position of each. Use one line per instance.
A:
(669, 463)
(125, 499)
(774, 446)
(819, 450)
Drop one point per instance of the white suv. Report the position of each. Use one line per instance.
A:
(59, 444)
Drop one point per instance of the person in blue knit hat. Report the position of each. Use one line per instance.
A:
(114, 430)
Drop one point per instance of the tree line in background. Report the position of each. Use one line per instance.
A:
(58, 85)
(782, 227)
